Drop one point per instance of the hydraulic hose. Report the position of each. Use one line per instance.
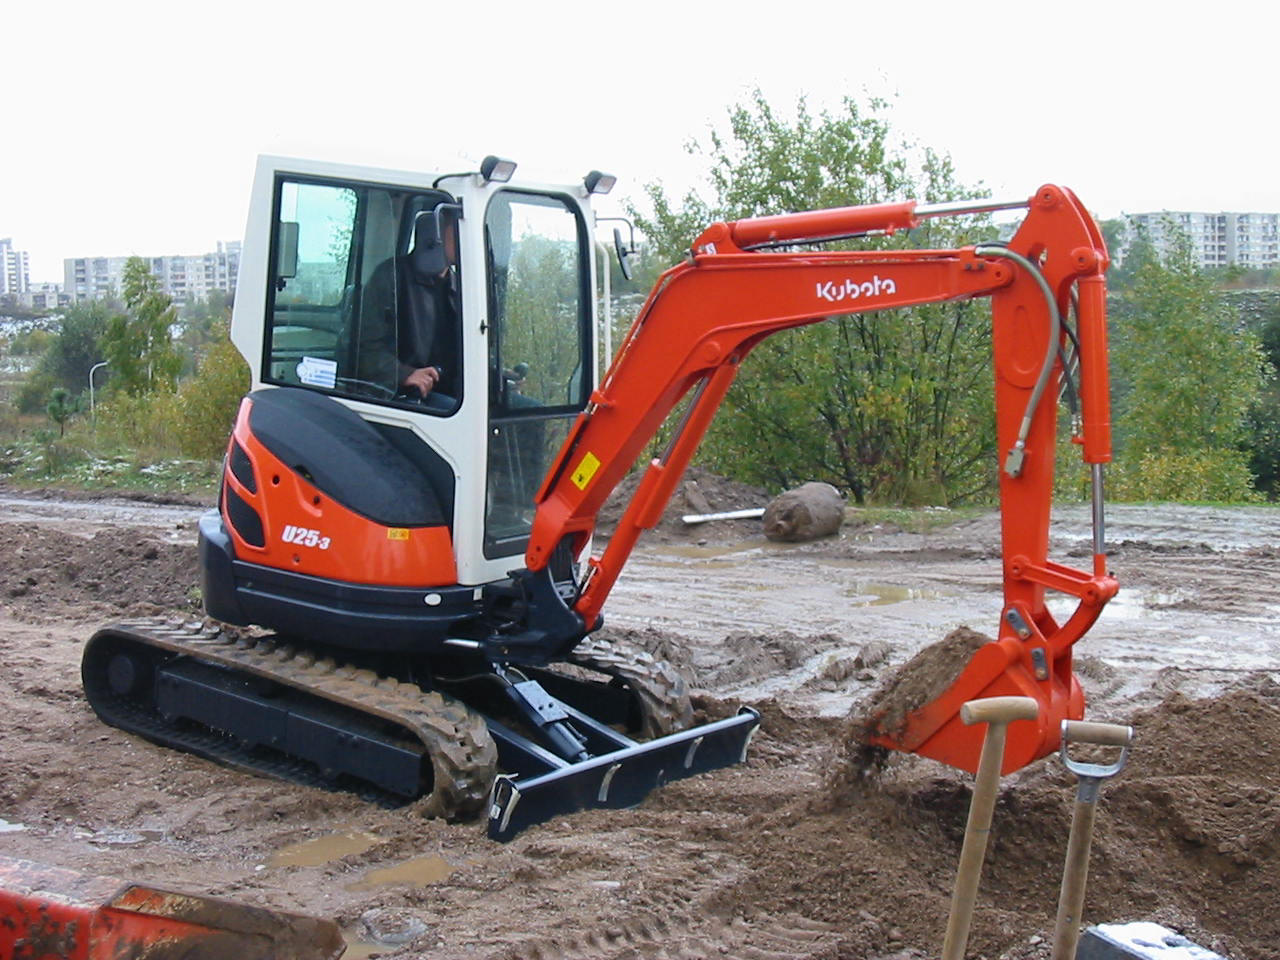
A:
(1013, 462)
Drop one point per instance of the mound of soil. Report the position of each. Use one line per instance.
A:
(1186, 840)
(47, 574)
(923, 678)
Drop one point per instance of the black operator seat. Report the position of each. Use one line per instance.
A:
(343, 456)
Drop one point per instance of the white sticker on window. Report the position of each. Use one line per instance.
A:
(315, 372)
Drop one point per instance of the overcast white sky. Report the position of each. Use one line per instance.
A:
(132, 127)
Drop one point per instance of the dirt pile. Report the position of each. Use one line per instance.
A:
(48, 574)
(922, 679)
(1188, 834)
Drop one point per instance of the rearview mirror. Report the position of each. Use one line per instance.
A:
(287, 250)
(624, 254)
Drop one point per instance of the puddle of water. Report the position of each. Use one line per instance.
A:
(125, 838)
(321, 850)
(7, 827)
(419, 872)
(882, 594)
(712, 551)
(1128, 604)
(363, 949)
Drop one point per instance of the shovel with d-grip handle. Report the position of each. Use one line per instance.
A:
(997, 713)
(1066, 932)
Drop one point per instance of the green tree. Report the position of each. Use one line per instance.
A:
(138, 343)
(1264, 418)
(200, 323)
(893, 405)
(1188, 373)
(61, 407)
(69, 352)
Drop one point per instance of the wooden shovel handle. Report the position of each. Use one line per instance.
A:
(999, 710)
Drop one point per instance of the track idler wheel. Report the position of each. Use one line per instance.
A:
(661, 691)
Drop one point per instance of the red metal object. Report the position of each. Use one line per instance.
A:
(48, 913)
(704, 318)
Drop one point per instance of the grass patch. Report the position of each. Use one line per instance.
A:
(42, 459)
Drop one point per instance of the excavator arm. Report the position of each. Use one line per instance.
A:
(736, 289)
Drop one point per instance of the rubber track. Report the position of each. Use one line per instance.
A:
(661, 689)
(463, 756)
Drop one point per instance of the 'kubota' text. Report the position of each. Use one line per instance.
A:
(852, 290)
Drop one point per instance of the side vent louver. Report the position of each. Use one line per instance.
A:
(245, 519)
(241, 468)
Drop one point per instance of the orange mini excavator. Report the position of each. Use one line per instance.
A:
(412, 487)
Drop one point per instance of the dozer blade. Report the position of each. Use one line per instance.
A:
(621, 778)
(1000, 668)
(48, 912)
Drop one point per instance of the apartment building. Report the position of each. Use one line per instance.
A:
(183, 278)
(1249, 240)
(14, 270)
(45, 296)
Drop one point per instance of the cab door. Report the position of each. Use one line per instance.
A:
(541, 351)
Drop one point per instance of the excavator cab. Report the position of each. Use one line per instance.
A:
(486, 284)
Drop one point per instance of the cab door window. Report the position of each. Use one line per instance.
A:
(364, 293)
(539, 351)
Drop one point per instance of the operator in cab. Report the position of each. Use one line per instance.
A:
(411, 313)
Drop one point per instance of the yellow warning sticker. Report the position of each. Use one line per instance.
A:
(586, 469)
(397, 533)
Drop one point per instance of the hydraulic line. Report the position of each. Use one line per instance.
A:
(1013, 463)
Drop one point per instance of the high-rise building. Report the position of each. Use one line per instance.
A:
(1249, 240)
(182, 278)
(14, 271)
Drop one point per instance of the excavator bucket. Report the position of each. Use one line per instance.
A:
(48, 912)
(918, 711)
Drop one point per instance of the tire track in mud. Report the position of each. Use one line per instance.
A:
(787, 937)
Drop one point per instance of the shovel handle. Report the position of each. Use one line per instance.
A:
(997, 713)
(1103, 734)
(999, 710)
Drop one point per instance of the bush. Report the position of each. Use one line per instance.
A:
(34, 392)
(147, 424)
(193, 422)
(207, 403)
(1216, 476)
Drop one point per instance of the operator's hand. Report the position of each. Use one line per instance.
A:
(424, 379)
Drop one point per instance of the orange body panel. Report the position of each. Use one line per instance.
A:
(308, 532)
(704, 318)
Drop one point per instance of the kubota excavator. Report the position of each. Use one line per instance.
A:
(416, 557)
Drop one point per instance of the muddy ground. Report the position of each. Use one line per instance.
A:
(787, 856)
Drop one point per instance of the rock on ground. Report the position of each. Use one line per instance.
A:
(808, 512)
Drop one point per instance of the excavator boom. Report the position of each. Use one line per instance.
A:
(706, 315)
